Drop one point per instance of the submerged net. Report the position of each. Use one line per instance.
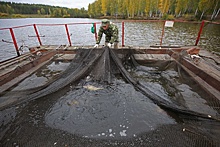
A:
(102, 67)
(79, 67)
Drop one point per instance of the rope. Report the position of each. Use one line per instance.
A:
(6, 41)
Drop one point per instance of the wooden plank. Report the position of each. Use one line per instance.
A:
(26, 67)
(199, 71)
(208, 88)
(19, 78)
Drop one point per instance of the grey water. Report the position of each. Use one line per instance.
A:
(107, 113)
(136, 34)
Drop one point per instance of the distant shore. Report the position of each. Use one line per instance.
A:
(14, 16)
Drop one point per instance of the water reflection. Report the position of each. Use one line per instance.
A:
(43, 76)
(149, 33)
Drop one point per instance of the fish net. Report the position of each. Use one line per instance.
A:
(101, 99)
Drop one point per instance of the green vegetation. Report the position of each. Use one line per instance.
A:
(151, 9)
(134, 9)
(8, 9)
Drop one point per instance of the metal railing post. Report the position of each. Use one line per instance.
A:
(37, 34)
(68, 35)
(96, 36)
(123, 33)
(200, 31)
(161, 40)
(14, 41)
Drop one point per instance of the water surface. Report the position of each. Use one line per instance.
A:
(136, 34)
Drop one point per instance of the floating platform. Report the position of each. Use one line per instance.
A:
(204, 68)
(146, 109)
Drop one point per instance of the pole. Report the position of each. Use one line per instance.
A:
(68, 35)
(14, 41)
(95, 32)
(161, 40)
(200, 32)
(123, 33)
(37, 34)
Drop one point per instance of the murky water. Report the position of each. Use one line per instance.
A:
(92, 110)
(44, 75)
(108, 113)
(136, 34)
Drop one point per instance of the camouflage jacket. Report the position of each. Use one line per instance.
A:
(111, 32)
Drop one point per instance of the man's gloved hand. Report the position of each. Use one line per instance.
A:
(96, 45)
(109, 45)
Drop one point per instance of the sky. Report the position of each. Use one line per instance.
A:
(62, 3)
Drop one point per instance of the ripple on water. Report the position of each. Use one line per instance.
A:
(116, 111)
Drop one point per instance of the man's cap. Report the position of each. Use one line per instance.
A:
(105, 22)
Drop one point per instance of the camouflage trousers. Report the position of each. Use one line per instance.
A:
(107, 40)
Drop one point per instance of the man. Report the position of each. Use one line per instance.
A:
(111, 33)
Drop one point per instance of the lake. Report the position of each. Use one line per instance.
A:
(136, 34)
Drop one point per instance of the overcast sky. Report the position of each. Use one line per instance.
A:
(62, 3)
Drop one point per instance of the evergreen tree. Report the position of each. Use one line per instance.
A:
(21, 8)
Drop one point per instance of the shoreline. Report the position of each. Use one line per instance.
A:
(180, 19)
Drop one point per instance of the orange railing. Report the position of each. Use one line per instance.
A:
(95, 33)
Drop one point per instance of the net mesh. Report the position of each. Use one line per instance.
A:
(196, 125)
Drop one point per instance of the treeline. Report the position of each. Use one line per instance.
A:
(166, 9)
(149, 9)
(9, 8)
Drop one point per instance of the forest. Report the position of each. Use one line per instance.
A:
(11, 8)
(167, 9)
(126, 9)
